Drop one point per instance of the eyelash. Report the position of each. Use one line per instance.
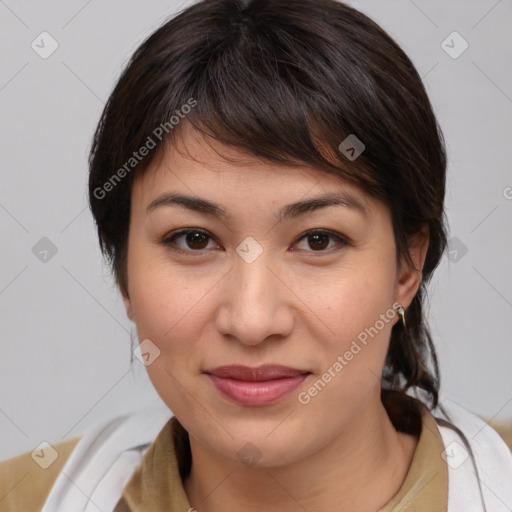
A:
(169, 239)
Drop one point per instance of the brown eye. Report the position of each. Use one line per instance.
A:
(321, 241)
(188, 240)
(196, 240)
(318, 242)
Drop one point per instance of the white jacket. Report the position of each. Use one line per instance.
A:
(103, 461)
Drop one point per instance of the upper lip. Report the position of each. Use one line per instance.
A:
(259, 373)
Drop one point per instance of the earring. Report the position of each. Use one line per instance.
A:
(401, 312)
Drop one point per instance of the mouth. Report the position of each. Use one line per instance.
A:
(257, 386)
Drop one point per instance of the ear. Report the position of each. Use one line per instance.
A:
(128, 306)
(409, 278)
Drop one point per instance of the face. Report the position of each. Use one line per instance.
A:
(254, 281)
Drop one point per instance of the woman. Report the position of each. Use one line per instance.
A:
(268, 182)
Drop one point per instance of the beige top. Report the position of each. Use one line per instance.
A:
(157, 485)
(425, 486)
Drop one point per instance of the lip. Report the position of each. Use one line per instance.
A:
(256, 386)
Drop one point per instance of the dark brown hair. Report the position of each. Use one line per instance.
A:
(288, 81)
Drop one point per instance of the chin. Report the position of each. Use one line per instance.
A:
(260, 445)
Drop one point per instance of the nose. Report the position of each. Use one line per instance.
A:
(256, 303)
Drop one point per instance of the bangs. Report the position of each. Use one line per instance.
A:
(281, 92)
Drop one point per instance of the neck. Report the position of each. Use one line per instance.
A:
(361, 469)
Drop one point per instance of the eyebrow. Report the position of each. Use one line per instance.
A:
(289, 211)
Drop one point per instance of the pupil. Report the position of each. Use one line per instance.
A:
(196, 239)
(317, 241)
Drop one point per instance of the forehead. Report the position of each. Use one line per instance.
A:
(203, 166)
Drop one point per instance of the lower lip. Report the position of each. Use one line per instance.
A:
(256, 393)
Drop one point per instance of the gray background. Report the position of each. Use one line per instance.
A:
(65, 359)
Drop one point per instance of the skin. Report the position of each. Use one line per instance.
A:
(295, 305)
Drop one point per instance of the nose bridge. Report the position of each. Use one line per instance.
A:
(255, 305)
(251, 281)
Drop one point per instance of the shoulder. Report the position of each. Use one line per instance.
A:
(104, 460)
(92, 467)
(480, 432)
(503, 429)
(479, 461)
(26, 480)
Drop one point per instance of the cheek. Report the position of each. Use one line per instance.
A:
(361, 294)
(359, 311)
(352, 361)
(166, 304)
(167, 311)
